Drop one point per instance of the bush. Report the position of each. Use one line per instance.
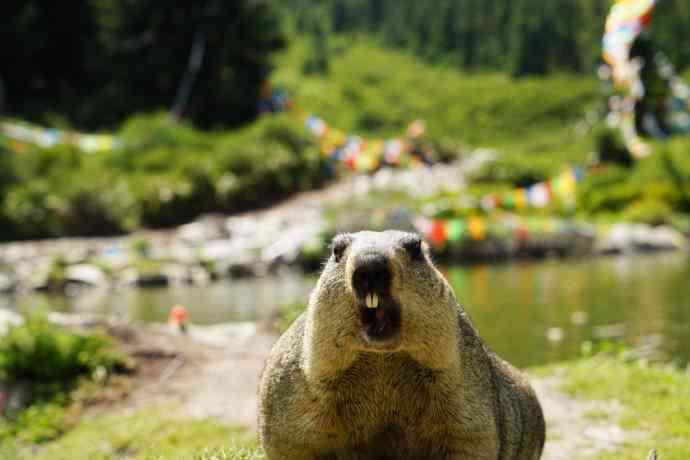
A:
(42, 353)
(649, 211)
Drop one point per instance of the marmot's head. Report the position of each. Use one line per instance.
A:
(381, 292)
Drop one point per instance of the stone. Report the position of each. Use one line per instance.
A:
(8, 283)
(626, 237)
(87, 274)
(9, 318)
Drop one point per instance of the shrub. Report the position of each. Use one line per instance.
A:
(649, 211)
(42, 353)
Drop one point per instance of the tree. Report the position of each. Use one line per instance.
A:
(97, 61)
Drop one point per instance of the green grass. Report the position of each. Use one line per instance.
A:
(287, 315)
(377, 92)
(656, 402)
(144, 435)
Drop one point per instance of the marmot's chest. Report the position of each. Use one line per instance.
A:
(390, 394)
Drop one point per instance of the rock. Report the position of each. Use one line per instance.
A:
(176, 273)
(9, 318)
(626, 237)
(128, 277)
(115, 256)
(152, 280)
(202, 230)
(90, 275)
(8, 283)
(219, 250)
(14, 396)
(199, 275)
(238, 333)
(76, 319)
(133, 277)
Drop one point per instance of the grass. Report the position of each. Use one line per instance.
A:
(377, 92)
(144, 435)
(656, 399)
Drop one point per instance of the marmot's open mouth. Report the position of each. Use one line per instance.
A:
(380, 315)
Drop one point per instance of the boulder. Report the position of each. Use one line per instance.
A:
(625, 237)
(87, 274)
(9, 318)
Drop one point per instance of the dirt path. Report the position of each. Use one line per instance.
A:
(214, 372)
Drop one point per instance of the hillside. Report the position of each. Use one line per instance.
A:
(168, 173)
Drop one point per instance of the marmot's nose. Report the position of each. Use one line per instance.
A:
(371, 274)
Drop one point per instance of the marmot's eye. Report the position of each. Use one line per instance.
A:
(340, 244)
(413, 246)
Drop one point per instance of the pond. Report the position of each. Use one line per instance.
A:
(529, 312)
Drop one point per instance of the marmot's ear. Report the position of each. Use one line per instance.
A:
(339, 245)
(413, 246)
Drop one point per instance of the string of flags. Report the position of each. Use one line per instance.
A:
(17, 135)
(562, 188)
(452, 231)
(627, 20)
(366, 155)
(355, 152)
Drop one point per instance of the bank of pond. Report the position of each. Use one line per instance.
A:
(530, 312)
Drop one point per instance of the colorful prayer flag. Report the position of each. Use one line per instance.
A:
(477, 228)
(456, 228)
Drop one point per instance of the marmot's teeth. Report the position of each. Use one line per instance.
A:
(372, 300)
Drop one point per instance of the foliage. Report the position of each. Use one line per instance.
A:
(650, 191)
(52, 365)
(97, 61)
(166, 174)
(288, 314)
(42, 421)
(46, 355)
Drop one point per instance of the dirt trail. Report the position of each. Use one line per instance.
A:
(214, 372)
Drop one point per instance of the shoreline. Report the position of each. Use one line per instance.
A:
(201, 252)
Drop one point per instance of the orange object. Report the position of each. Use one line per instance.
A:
(178, 315)
(438, 232)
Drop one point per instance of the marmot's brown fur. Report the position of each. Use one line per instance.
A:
(384, 364)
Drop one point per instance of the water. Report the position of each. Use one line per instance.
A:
(530, 313)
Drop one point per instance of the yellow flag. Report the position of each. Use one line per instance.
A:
(520, 198)
(477, 228)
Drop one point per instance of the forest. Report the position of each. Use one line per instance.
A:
(91, 63)
(522, 37)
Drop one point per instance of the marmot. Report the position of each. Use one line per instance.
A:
(385, 364)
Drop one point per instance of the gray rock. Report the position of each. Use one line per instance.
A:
(626, 237)
(8, 283)
(197, 232)
(177, 273)
(9, 318)
(90, 275)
